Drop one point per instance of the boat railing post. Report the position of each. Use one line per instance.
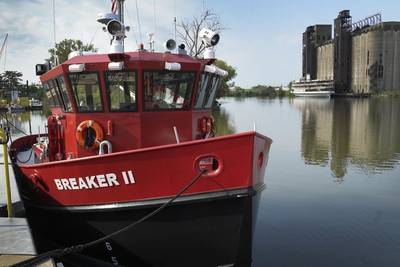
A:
(30, 123)
(4, 141)
(176, 135)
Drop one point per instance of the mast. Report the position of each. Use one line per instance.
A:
(4, 45)
(114, 25)
(121, 19)
(4, 48)
(121, 11)
(54, 34)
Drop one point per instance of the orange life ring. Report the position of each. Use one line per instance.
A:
(80, 138)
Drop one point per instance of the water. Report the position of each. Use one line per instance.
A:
(21, 121)
(333, 179)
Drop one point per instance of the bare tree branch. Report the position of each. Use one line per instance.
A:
(188, 31)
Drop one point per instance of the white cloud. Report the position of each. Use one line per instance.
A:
(259, 55)
(30, 27)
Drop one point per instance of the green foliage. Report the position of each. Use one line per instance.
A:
(66, 46)
(32, 91)
(258, 91)
(226, 82)
(223, 123)
(262, 90)
(12, 80)
(389, 93)
(9, 81)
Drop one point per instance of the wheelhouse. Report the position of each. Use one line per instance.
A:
(145, 99)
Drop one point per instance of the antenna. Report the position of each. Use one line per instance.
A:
(138, 19)
(4, 48)
(175, 28)
(154, 15)
(5, 56)
(175, 19)
(151, 41)
(54, 34)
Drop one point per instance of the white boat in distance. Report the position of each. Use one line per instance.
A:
(315, 88)
(35, 103)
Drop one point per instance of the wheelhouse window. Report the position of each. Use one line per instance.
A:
(167, 90)
(63, 93)
(211, 92)
(201, 90)
(121, 90)
(51, 93)
(208, 86)
(49, 96)
(86, 91)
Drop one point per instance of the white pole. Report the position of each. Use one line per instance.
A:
(176, 135)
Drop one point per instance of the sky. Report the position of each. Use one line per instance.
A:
(262, 39)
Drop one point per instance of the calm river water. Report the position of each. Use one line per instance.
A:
(333, 179)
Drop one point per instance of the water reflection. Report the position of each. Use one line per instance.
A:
(340, 132)
(223, 122)
(29, 121)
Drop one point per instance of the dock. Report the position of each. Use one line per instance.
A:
(15, 241)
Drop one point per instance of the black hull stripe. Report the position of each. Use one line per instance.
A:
(235, 193)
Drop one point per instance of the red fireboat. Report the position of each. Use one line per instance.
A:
(128, 131)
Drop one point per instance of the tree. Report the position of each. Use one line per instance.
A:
(189, 31)
(32, 91)
(10, 80)
(226, 82)
(262, 90)
(66, 46)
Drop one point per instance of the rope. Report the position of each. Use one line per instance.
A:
(5, 117)
(132, 29)
(9, 138)
(27, 160)
(94, 35)
(78, 248)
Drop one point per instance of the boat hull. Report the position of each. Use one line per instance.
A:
(75, 201)
(205, 233)
(145, 175)
(315, 93)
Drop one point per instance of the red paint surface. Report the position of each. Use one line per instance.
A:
(130, 129)
(159, 171)
(143, 142)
